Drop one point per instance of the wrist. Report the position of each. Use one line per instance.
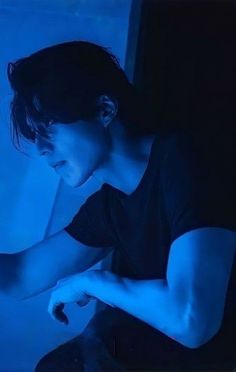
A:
(98, 285)
(89, 281)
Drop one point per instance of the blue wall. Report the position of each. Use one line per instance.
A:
(34, 202)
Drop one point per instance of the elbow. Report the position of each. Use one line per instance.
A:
(191, 340)
(202, 339)
(197, 329)
(194, 337)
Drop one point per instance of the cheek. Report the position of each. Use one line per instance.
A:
(82, 149)
(91, 153)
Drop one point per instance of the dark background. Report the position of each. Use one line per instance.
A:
(181, 56)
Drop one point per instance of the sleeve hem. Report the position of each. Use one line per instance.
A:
(189, 228)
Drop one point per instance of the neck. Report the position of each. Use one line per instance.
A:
(127, 160)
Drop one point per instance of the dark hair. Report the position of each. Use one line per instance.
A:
(61, 83)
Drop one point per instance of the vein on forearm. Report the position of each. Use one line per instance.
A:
(148, 300)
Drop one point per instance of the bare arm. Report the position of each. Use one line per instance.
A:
(38, 268)
(188, 304)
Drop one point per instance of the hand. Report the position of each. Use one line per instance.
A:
(70, 289)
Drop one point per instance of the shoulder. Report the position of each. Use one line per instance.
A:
(201, 147)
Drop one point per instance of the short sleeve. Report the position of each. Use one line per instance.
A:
(90, 225)
(198, 181)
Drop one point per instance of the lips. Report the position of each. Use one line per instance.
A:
(58, 164)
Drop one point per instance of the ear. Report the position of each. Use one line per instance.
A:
(107, 109)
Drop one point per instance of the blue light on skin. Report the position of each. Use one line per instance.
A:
(99, 148)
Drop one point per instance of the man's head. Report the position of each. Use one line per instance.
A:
(65, 96)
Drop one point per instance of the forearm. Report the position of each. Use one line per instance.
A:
(147, 300)
(8, 273)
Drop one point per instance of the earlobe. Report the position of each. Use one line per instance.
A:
(107, 110)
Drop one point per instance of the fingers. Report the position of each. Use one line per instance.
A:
(55, 309)
(67, 290)
(85, 300)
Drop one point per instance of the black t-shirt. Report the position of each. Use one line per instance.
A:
(189, 183)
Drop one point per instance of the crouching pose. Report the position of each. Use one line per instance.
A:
(166, 209)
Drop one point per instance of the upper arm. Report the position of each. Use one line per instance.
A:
(42, 265)
(198, 272)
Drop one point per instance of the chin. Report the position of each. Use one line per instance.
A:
(73, 183)
(76, 182)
